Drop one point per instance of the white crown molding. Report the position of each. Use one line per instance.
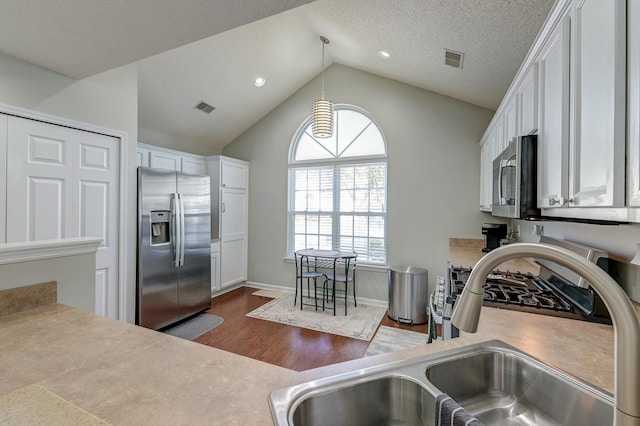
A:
(48, 249)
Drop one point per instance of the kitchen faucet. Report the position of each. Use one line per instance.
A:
(626, 325)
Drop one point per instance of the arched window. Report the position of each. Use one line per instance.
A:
(338, 187)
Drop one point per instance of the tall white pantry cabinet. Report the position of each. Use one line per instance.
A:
(230, 215)
(60, 182)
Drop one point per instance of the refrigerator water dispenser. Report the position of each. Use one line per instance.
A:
(160, 232)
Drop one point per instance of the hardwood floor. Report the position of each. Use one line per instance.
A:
(279, 344)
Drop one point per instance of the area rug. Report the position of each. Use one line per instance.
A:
(195, 326)
(274, 294)
(389, 339)
(360, 323)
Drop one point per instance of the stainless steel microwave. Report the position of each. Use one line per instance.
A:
(515, 180)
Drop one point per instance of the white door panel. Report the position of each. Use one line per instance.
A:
(46, 215)
(39, 176)
(193, 166)
(233, 175)
(553, 134)
(598, 74)
(233, 236)
(163, 160)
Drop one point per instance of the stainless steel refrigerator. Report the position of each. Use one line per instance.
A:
(174, 247)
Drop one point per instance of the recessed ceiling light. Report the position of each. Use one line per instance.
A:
(384, 54)
(260, 81)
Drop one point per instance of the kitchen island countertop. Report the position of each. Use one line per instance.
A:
(128, 375)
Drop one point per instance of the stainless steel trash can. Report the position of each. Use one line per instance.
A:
(408, 295)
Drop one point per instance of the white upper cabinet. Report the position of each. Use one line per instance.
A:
(488, 152)
(633, 102)
(193, 165)
(164, 160)
(597, 106)
(168, 159)
(553, 130)
(233, 174)
(572, 87)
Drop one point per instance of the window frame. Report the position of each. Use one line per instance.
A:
(335, 163)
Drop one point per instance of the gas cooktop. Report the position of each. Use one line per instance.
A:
(526, 292)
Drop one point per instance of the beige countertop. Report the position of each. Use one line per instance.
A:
(128, 375)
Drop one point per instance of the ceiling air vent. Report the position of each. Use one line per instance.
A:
(204, 107)
(453, 59)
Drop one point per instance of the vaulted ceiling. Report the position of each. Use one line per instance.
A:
(193, 50)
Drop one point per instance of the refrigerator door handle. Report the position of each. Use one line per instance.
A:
(177, 228)
(182, 229)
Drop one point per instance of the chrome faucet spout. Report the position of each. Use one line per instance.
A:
(626, 325)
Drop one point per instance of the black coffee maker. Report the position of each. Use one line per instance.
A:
(493, 233)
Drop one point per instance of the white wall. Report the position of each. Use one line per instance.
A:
(109, 99)
(433, 174)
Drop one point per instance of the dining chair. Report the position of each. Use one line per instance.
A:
(306, 270)
(346, 264)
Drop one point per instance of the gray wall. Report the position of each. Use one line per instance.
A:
(433, 174)
(164, 140)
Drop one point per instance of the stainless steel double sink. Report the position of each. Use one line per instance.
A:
(493, 381)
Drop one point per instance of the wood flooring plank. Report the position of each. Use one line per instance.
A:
(287, 346)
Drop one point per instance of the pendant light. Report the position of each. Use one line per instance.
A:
(322, 110)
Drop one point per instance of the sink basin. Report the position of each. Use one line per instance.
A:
(504, 388)
(389, 400)
(493, 381)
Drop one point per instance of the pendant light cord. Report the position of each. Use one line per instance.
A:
(324, 41)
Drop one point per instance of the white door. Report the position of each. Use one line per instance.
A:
(96, 211)
(233, 236)
(597, 141)
(64, 183)
(553, 134)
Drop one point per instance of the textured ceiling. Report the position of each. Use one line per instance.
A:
(494, 35)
